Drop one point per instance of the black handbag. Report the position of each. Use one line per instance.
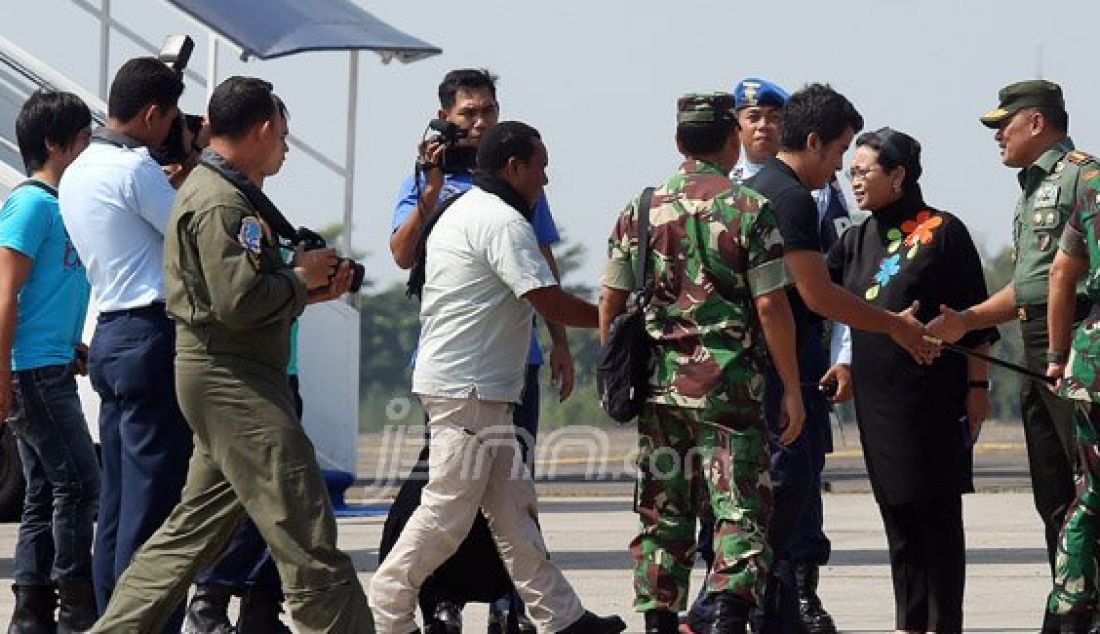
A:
(626, 358)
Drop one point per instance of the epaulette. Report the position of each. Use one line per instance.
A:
(1078, 157)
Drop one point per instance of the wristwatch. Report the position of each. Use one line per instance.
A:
(1057, 356)
(977, 385)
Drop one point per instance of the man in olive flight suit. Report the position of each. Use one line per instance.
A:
(1032, 132)
(234, 299)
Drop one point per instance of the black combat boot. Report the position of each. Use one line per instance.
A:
(661, 622)
(260, 610)
(810, 611)
(208, 611)
(731, 614)
(34, 607)
(77, 611)
(591, 624)
(1075, 624)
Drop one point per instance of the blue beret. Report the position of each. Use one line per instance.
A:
(753, 91)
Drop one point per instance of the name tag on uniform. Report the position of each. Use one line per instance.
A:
(1047, 196)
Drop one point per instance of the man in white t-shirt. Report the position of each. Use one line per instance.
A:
(479, 283)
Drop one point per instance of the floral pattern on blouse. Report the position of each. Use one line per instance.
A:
(913, 234)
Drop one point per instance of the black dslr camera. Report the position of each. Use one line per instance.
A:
(449, 134)
(455, 156)
(175, 53)
(310, 240)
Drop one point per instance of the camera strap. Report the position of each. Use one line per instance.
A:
(264, 207)
(113, 137)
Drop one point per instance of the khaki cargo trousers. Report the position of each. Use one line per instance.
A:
(474, 461)
(251, 455)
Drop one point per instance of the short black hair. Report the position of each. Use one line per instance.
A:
(1058, 118)
(701, 139)
(238, 103)
(820, 109)
(503, 141)
(56, 117)
(895, 149)
(140, 82)
(468, 79)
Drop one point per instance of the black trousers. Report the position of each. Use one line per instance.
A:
(1048, 431)
(927, 562)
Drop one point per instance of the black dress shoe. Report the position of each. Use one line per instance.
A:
(509, 622)
(208, 611)
(591, 624)
(447, 619)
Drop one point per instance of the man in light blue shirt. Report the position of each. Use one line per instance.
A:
(43, 302)
(115, 200)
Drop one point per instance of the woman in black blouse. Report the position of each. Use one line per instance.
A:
(917, 422)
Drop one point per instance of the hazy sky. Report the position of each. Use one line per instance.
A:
(600, 78)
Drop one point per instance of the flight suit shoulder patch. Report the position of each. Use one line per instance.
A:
(251, 235)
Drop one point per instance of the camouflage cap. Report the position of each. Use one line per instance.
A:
(710, 107)
(1024, 94)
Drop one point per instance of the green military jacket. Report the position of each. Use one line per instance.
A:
(1050, 187)
(715, 246)
(1081, 240)
(227, 287)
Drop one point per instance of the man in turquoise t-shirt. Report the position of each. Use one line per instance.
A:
(43, 302)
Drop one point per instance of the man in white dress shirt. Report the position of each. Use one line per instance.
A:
(115, 201)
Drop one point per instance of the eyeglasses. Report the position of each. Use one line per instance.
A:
(857, 174)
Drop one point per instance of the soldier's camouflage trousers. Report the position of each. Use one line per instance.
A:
(693, 462)
(1077, 561)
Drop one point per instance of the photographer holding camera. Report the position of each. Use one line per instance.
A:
(115, 201)
(468, 108)
(234, 298)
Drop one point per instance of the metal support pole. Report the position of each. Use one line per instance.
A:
(349, 150)
(211, 63)
(104, 46)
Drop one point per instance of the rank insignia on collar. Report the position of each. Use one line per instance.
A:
(251, 235)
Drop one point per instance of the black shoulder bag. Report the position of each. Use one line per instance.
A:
(626, 359)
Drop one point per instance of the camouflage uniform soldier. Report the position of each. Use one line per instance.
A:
(715, 298)
(1078, 557)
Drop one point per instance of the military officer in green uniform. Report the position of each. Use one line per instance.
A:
(1032, 131)
(233, 299)
(1075, 593)
(716, 304)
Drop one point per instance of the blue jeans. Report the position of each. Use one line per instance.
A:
(62, 474)
(146, 443)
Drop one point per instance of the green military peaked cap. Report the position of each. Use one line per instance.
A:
(709, 107)
(1024, 94)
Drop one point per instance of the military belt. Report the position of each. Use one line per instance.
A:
(1031, 312)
